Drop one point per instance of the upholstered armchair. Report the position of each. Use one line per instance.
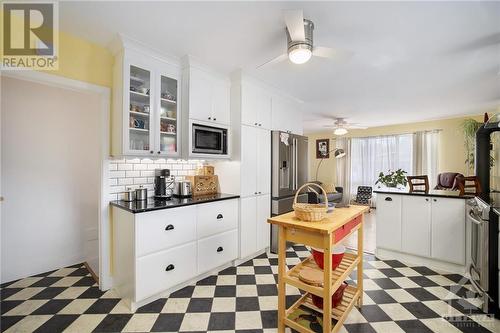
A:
(449, 181)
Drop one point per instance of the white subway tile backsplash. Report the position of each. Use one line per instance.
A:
(134, 172)
(116, 174)
(149, 173)
(125, 167)
(140, 180)
(140, 166)
(125, 181)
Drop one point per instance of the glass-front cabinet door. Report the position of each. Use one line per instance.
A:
(168, 124)
(140, 119)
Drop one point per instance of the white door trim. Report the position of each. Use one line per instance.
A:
(105, 278)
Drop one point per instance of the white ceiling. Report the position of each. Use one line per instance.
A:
(413, 61)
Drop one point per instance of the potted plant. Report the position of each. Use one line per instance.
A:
(392, 178)
(469, 127)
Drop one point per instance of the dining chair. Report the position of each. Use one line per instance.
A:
(418, 184)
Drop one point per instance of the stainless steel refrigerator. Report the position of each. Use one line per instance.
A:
(289, 171)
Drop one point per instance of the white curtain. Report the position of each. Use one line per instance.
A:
(344, 168)
(372, 155)
(425, 155)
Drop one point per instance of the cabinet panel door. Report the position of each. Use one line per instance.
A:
(216, 217)
(167, 115)
(248, 161)
(249, 104)
(416, 225)
(279, 120)
(217, 250)
(448, 230)
(200, 95)
(263, 228)
(248, 227)
(139, 123)
(162, 229)
(161, 270)
(220, 98)
(388, 215)
(264, 114)
(263, 161)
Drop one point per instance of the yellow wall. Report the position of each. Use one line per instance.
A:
(451, 144)
(84, 61)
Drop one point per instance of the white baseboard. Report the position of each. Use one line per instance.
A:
(385, 254)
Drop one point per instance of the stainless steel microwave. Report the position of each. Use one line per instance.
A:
(209, 139)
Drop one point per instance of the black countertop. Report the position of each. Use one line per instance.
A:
(431, 193)
(152, 204)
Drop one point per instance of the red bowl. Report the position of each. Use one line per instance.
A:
(337, 255)
(336, 297)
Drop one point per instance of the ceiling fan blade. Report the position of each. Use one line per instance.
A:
(355, 126)
(273, 61)
(337, 54)
(294, 20)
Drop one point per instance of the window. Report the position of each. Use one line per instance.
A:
(372, 155)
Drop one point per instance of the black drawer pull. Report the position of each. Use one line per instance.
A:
(219, 217)
(388, 199)
(169, 267)
(169, 227)
(220, 249)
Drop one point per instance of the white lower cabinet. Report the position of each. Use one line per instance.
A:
(448, 230)
(217, 250)
(217, 217)
(254, 229)
(416, 225)
(425, 226)
(162, 270)
(248, 228)
(155, 229)
(156, 251)
(388, 214)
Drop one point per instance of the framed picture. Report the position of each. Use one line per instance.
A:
(323, 148)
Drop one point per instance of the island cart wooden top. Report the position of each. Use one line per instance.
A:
(329, 224)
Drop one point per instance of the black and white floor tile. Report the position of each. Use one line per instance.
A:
(398, 298)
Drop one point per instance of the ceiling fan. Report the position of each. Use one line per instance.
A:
(300, 46)
(341, 126)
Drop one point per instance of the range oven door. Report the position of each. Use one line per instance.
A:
(478, 269)
(209, 140)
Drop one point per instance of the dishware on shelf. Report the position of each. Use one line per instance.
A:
(170, 114)
(163, 112)
(310, 212)
(141, 193)
(168, 96)
(144, 90)
(336, 297)
(337, 255)
(170, 128)
(139, 123)
(145, 109)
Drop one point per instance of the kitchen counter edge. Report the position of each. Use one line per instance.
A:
(173, 203)
(429, 194)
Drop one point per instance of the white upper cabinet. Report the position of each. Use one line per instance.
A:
(145, 116)
(208, 96)
(248, 161)
(255, 106)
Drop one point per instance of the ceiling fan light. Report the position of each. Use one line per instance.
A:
(299, 54)
(340, 131)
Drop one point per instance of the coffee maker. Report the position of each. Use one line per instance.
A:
(163, 184)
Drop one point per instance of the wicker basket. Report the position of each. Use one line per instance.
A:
(310, 212)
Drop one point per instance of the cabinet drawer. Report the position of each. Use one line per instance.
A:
(217, 250)
(163, 229)
(217, 217)
(160, 271)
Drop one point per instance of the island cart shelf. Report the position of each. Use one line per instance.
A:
(324, 234)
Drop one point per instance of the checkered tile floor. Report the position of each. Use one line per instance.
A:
(397, 298)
